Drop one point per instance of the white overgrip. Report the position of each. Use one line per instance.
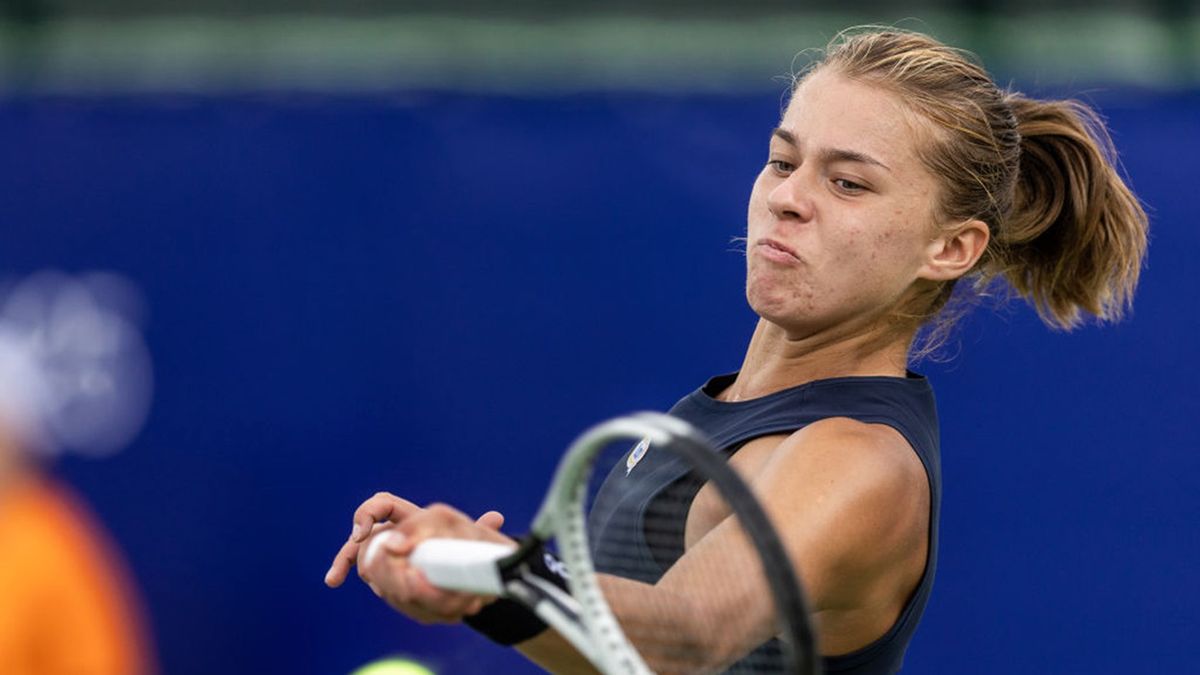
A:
(461, 565)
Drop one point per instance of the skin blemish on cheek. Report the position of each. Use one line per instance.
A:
(805, 298)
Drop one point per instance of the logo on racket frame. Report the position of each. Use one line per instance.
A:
(636, 455)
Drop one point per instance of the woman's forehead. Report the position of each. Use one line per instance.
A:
(830, 110)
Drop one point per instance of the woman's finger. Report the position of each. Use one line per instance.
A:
(382, 506)
(342, 562)
(493, 520)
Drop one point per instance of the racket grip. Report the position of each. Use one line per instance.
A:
(461, 565)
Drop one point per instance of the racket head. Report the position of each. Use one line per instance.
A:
(602, 523)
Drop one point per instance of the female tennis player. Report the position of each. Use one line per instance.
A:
(900, 181)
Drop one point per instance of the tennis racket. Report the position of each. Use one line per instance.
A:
(618, 644)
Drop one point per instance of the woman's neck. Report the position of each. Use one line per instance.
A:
(775, 360)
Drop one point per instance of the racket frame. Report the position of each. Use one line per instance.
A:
(582, 616)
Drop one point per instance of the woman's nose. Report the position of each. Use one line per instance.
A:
(791, 199)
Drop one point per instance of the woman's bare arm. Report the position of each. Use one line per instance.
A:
(849, 500)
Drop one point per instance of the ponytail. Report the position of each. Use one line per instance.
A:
(1067, 234)
(1075, 236)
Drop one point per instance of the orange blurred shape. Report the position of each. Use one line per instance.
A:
(67, 605)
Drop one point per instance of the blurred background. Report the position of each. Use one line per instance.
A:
(417, 246)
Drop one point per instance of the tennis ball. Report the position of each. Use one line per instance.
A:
(394, 666)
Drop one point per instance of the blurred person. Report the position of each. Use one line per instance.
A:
(74, 376)
(67, 604)
(900, 182)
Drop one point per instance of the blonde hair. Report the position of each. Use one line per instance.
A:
(1067, 233)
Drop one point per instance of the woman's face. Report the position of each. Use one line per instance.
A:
(841, 218)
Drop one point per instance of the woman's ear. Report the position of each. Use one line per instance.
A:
(953, 253)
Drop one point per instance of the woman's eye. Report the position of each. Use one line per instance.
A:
(781, 166)
(848, 185)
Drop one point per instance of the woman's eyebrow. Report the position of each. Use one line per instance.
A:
(830, 155)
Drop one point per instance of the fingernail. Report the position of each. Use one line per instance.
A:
(356, 532)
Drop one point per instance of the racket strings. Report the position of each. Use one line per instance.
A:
(722, 618)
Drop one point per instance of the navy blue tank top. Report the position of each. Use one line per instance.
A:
(653, 489)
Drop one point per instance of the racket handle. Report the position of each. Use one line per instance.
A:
(461, 565)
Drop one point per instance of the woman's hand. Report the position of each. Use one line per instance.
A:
(386, 530)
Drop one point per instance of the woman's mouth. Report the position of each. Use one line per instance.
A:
(776, 251)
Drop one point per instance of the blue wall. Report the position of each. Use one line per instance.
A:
(432, 293)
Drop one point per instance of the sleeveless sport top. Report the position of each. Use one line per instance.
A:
(652, 490)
